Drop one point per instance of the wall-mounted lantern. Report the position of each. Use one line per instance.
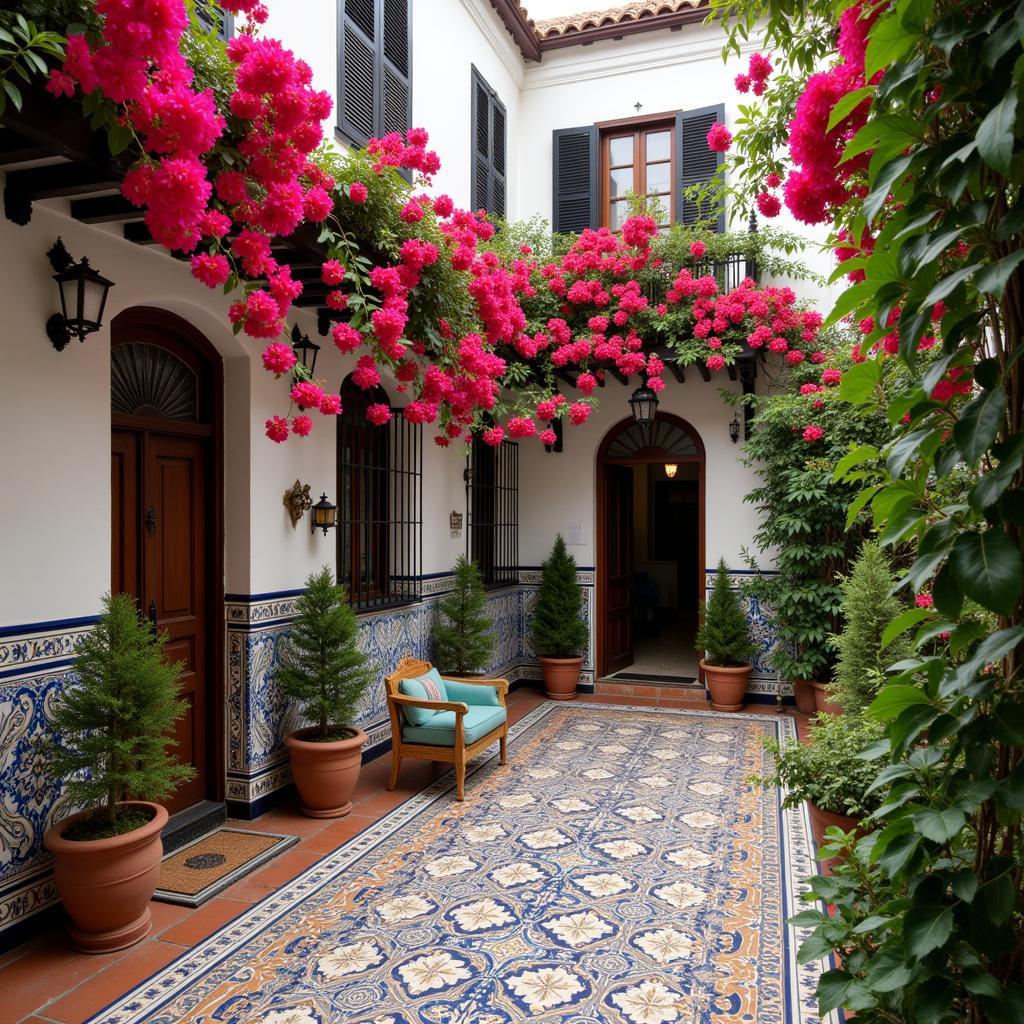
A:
(734, 429)
(83, 296)
(305, 349)
(670, 470)
(644, 404)
(324, 515)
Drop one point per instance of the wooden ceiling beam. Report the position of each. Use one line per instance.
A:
(105, 210)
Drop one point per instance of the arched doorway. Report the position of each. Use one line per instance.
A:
(650, 548)
(166, 521)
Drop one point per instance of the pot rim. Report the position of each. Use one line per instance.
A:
(561, 661)
(297, 740)
(55, 842)
(732, 670)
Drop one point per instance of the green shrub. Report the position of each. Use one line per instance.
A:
(828, 769)
(322, 668)
(112, 728)
(558, 627)
(723, 635)
(463, 640)
(868, 608)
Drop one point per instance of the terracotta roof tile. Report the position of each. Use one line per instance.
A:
(622, 14)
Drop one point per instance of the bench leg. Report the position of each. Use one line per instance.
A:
(504, 746)
(396, 763)
(460, 777)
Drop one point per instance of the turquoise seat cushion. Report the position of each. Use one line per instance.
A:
(440, 730)
(472, 694)
(426, 687)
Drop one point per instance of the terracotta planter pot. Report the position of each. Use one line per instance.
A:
(325, 774)
(106, 884)
(822, 820)
(805, 696)
(823, 703)
(728, 686)
(561, 676)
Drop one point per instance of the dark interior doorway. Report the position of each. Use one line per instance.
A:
(650, 550)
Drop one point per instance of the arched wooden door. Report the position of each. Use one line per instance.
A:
(626, 447)
(165, 395)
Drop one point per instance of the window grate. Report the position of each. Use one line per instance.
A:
(492, 501)
(380, 505)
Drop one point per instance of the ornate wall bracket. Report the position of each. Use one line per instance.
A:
(297, 501)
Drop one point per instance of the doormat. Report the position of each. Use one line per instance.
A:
(625, 675)
(195, 873)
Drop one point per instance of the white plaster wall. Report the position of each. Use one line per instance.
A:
(557, 490)
(661, 70)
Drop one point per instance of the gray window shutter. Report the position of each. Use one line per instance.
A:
(487, 171)
(576, 190)
(695, 162)
(374, 82)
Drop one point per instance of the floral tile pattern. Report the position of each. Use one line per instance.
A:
(652, 892)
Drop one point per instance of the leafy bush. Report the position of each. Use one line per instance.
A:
(558, 628)
(463, 641)
(723, 635)
(868, 608)
(322, 668)
(112, 727)
(828, 769)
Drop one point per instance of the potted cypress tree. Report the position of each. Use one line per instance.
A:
(324, 671)
(559, 633)
(110, 744)
(463, 641)
(725, 639)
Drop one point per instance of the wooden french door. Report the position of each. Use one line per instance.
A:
(160, 557)
(618, 567)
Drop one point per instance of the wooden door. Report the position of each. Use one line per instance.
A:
(618, 567)
(160, 555)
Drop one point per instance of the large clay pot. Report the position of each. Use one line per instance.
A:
(561, 676)
(325, 774)
(823, 703)
(805, 696)
(106, 884)
(728, 686)
(822, 820)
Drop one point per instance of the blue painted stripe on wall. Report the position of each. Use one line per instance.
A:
(49, 626)
(36, 668)
(269, 596)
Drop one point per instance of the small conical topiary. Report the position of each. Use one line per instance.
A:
(868, 608)
(723, 635)
(558, 628)
(112, 727)
(322, 668)
(463, 641)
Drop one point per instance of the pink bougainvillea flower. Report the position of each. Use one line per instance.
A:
(547, 437)
(742, 83)
(698, 249)
(278, 358)
(332, 272)
(277, 429)
(924, 600)
(813, 433)
(358, 192)
(378, 414)
(719, 138)
(715, 362)
(768, 204)
(212, 271)
(301, 425)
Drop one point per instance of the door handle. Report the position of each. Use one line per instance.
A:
(151, 518)
(152, 612)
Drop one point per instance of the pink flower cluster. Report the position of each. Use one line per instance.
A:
(758, 72)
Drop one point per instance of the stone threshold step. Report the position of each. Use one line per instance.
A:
(191, 823)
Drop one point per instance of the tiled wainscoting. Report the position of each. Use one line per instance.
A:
(37, 661)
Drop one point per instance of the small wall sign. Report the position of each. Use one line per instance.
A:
(455, 523)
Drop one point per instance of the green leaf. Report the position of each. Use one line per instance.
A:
(994, 277)
(902, 623)
(883, 183)
(887, 972)
(832, 989)
(859, 383)
(979, 423)
(1000, 897)
(987, 567)
(940, 826)
(927, 928)
(848, 103)
(859, 454)
(858, 503)
(893, 700)
(888, 43)
(948, 596)
(1008, 723)
(995, 133)
(965, 884)
(948, 284)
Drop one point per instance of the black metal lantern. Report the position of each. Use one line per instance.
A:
(83, 296)
(644, 403)
(734, 429)
(324, 515)
(305, 349)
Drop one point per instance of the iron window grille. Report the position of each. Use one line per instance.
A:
(492, 502)
(215, 19)
(380, 505)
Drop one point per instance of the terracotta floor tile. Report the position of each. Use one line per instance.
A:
(284, 868)
(201, 923)
(166, 915)
(289, 821)
(109, 982)
(330, 838)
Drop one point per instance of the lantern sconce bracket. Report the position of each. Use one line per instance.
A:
(297, 501)
(57, 327)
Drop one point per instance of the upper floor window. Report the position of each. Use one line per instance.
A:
(214, 18)
(380, 505)
(489, 140)
(640, 161)
(374, 68)
(596, 167)
(492, 497)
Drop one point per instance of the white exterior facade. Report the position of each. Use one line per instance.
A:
(55, 425)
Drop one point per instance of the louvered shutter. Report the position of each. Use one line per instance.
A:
(575, 188)
(487, 171)
(695, 162)
(374, 64)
